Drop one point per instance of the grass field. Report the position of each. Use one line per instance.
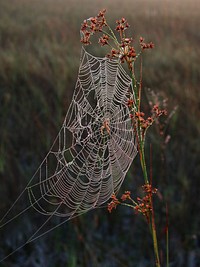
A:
(39, 60)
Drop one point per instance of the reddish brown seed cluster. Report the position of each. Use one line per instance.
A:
(147, 188)
(113, 204)
(139, 116)
(142, 205)
(126, 41)
(122, 25)
(130, 103)
(91, 26)
(126, 195)
(103, 40)
(158, 112)
(145, 204)
(127, 52)
(124, 49)
(113, 53)
(145, 45)
(145, 123)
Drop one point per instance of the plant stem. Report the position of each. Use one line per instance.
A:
(167, 249)
(154, 236)
(167, 237)
(143, 162)
(141, 149)
(152, 215)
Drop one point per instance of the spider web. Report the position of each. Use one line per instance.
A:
(93, 151)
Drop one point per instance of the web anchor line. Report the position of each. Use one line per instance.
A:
(93, 151)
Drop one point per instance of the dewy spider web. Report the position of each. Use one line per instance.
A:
(93, 150)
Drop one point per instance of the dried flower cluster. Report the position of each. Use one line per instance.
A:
(145, 45)
(142, 205)
(126, 195)
(122, 48)
(113, 204)
(139, 116)
(103, 40)
(91, 26)
(145, 204)
(122, 25)
(157, 112)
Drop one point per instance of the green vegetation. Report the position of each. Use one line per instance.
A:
(39, 59)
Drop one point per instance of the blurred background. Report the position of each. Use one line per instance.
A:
(39, 59)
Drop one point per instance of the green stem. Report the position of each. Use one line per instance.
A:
(127, 205)
(135, 94)
(142, 159)
(112, 36)
(141, 144)
(154, 236)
